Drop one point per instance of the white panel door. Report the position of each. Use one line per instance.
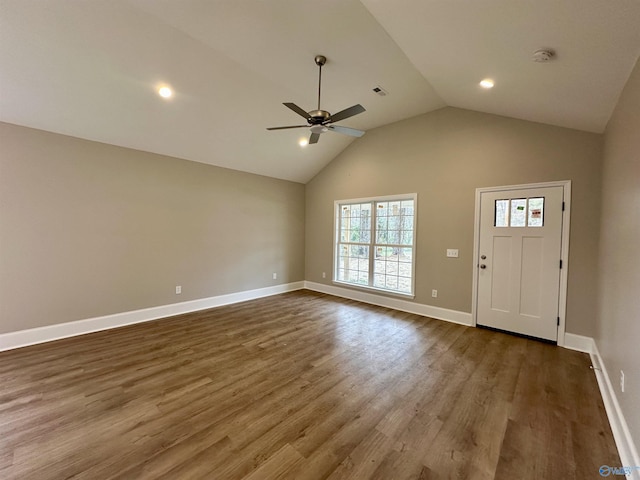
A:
(519, 260)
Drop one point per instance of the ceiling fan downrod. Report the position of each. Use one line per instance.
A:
(320, 61)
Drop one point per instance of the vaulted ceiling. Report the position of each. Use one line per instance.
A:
(91, 69)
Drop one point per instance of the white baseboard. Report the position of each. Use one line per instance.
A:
(622, 436)
(578, 342)
(624, 442)
(454, 316)
(11, 340)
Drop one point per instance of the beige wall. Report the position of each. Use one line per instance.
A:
(618, 322)
(88, 229)
(444, 156)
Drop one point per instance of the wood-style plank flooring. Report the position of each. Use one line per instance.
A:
(300, 386)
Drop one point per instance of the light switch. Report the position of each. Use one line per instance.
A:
(452, 252)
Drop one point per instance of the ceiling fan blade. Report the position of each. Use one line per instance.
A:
(346, 113)
(297, 109)
(346, 130)
(290, 126)
(314, 138)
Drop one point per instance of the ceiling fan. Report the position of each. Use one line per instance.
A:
(322, 121)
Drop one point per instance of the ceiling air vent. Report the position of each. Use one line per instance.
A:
(378, 90)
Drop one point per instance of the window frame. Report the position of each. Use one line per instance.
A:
(337, 206)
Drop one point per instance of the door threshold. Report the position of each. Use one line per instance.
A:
(521, 335)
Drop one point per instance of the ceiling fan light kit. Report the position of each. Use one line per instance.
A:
(320, 121)
(318, 129)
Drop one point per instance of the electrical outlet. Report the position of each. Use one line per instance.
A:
(434, 293)
(178, 289)
(275, 276)
(622, 381)
(324, 274)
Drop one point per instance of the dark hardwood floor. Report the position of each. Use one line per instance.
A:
(300, 386)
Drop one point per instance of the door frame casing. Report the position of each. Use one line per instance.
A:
(564, 252)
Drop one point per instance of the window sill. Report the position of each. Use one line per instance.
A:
(373, 289)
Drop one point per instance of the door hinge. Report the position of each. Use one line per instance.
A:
(558, 321)
(563, 206)
(560, 263)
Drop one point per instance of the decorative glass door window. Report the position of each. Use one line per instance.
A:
(375, 243)
(519, 212)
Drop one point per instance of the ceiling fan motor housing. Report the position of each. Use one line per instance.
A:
(317, 117)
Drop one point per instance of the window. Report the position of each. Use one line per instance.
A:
(375, 243)
(519, 212)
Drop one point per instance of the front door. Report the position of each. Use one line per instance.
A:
(519, 260)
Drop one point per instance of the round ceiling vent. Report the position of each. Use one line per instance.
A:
(543, 55)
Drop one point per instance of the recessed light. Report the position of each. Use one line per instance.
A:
(303, 142)
(165, 92)
(486, 83)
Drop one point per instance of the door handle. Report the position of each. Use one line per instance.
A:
(483, 266)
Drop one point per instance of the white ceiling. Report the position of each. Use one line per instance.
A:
(90, 69)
